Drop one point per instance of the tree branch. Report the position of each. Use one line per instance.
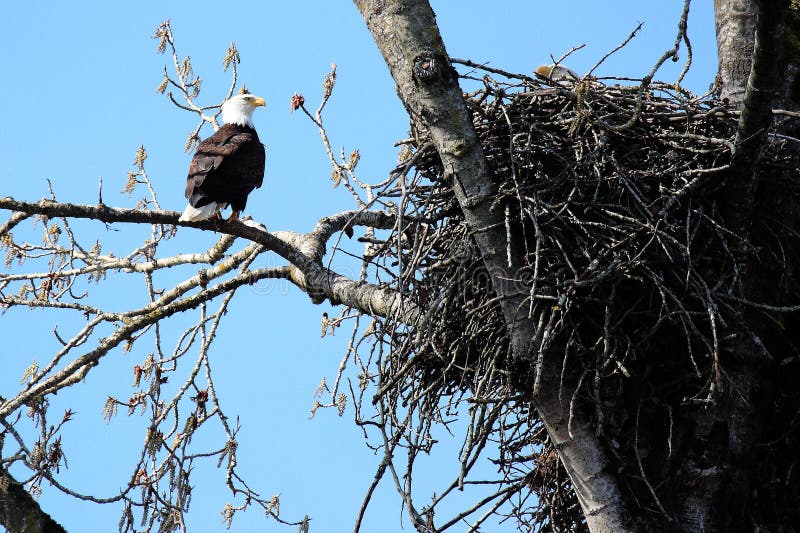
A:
(319, 282)
(406, 33)
(756, 117)
(19, 512)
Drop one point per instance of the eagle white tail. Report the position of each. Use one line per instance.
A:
(193, 214)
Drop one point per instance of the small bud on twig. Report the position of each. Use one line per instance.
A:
(296, 102)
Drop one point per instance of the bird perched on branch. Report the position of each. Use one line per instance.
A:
(558, 73)
(227, 166)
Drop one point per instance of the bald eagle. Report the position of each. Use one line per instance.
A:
(227, 166)
(558, 73)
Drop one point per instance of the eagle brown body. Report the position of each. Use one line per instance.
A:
(226, 168)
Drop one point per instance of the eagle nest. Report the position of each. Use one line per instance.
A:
(612, 194)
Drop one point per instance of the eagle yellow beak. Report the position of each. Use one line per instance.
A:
(258, 101)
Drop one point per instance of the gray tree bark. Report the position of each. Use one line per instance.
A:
(408, 37)
(760, 91)
(750, 37)
(19, 512)
(406, 33)
(735, 23)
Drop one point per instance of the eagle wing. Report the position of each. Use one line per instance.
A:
(218, 159)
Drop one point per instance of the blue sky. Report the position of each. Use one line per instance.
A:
(79, 98)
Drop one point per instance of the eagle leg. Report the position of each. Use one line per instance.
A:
(234, 216)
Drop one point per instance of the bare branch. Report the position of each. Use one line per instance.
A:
(317, 280)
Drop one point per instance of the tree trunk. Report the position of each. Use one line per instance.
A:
(735, 22)
(19, 512)
(717, 482)
(408, 37)
(789, 92)
(725, 432)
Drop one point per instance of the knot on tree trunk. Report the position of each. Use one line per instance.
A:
(428, 68)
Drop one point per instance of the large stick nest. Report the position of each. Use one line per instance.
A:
(612, 195)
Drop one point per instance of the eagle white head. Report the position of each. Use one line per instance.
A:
(239, 109)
